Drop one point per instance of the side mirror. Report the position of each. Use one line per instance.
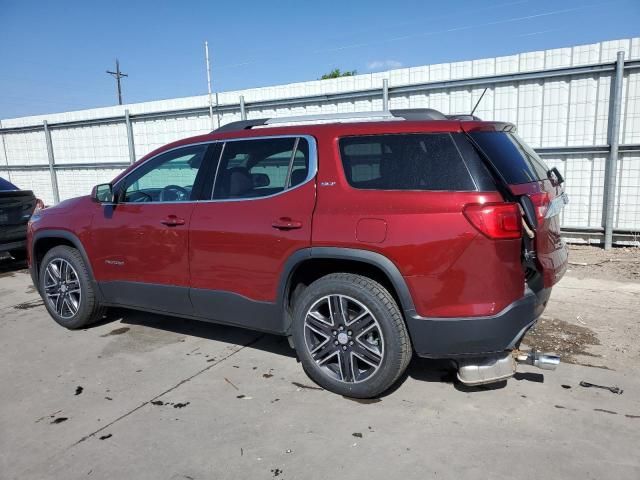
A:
(102, 193)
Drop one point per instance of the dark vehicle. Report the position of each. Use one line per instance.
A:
(16, 207)
(363, 238)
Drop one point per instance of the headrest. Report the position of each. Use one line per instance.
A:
(239, 181)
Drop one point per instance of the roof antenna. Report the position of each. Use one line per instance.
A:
(479, 100)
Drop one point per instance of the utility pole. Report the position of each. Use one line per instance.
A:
(206, 56)
(118, 75)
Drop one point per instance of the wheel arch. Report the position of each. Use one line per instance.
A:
(45, 240)
(309, 264)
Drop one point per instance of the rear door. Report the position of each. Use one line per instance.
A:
(258, 216)
(539, 190)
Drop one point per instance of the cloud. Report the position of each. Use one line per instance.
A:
(383, 64)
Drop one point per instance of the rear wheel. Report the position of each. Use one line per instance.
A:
(350, 335)
(67, 289)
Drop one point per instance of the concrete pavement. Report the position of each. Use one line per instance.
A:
(149, 397)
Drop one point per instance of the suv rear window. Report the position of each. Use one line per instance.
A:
(404, 162)
(516, 161)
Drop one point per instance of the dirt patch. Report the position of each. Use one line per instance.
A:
(29, 305)
(563, 338)
(616, 264)
(117, 331)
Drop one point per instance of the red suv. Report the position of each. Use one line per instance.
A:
(361, 239)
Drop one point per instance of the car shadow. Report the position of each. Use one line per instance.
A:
(8, 265)
(195, 328)
(421, 369)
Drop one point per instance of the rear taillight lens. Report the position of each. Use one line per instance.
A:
(541, 204)
(495, 220)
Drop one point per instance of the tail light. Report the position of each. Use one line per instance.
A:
(39, 206)
(541, 204)
(495, 220)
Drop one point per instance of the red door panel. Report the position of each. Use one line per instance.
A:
(240, 246)
(145, 242)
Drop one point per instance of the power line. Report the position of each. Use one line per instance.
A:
(118, 75)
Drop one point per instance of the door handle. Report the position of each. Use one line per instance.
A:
(285, 223)
(172, 221)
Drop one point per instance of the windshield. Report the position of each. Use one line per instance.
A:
(516, 161)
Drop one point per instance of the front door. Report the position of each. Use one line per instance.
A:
(141, 242)
(259, 215)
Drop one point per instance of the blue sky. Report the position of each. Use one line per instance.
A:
(54, 54)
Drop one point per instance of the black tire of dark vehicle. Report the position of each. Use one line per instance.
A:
(360, 297)
(88, 310)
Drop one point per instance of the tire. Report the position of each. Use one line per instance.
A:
(371, 338)
(81, 307)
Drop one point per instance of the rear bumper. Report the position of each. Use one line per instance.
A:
(455, 337)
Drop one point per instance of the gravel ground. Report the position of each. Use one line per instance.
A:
(620, 264)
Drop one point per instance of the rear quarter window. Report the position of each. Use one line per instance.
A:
(404, 162)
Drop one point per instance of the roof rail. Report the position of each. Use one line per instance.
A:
(241, 125)
(411, 114)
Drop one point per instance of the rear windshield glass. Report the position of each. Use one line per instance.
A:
(516, 161)
(5, 185)
(404, 162)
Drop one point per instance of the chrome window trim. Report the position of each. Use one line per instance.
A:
(313, 170)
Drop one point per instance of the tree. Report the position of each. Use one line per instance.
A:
(336, 73)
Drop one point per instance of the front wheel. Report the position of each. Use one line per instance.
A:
(350, 335)
(67, 289)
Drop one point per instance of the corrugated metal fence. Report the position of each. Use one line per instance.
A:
(559, 99)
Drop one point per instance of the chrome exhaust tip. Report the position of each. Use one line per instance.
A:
(490, 369)
(545, 361)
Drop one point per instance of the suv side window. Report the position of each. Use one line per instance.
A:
(170, 177)
(405, 162)
(261, 167)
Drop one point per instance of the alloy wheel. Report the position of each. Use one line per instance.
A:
(62, 287)
(344, 338)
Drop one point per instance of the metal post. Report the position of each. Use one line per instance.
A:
(132, 147)
(611, 170)
(385, 95)
(206, 55)
(6, 157)
(217, 109)
(243, 112)
(52, 170)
